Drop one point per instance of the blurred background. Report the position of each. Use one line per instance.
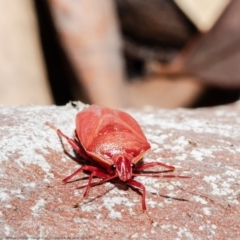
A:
(120, 53)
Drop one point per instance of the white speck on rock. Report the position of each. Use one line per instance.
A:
(115, 215)
(184, 233)
(134, 236)
(233, 173)
(3, 195)
(170, 187)
(210, 179)
(30, 184)
(77, 220)
(179, 144)
(34, 158)
(213, 226)
(201, 154)
(220, 187)
(7, 230)
(166, 226)
(197, 155)
(199, 199)
(38, 208)
(201, 228)
(17, 193)
(110, 203)
(8, 206)
(154, 146)
(207, 211)
(88, 207)
(152, 204)
(181, 157)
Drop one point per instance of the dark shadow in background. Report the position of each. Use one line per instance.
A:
(214, 96)
(59, 72)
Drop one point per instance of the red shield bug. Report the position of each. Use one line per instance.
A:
(114, 143)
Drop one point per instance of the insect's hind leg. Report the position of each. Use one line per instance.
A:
(76, 146)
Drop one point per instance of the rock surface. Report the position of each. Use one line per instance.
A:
(201, 143)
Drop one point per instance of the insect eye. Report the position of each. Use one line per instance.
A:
(113, 167)
(133, 165)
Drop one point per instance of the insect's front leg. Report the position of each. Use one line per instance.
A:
(97, 172)
(140, 186)
(94, 172)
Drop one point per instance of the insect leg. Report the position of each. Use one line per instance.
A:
(159, 176)
(77, 147)
(153, 164)
(141, 187)
(98, 172)
(94, 172)
(90, 184)
(65, 180)
(99, 182)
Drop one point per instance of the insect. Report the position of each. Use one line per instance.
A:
(113, 143)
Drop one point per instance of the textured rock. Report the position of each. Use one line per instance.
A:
(202, 143)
